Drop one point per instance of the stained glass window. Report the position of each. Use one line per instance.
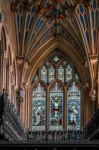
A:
(56, 107)
(38, 109)
(49, 99)
(61, 73)
(68, 73)
(51, 73)
(44, 73)
(73, 107)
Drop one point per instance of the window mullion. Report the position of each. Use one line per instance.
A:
(47, 108)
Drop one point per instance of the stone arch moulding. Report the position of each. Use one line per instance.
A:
(39, 58)
(45, 51)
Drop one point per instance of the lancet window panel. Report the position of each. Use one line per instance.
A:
(44, 73)
(56, 107)
(51, 73)
(73, 107)
(61, 73)
(38, 108)
(69, 73)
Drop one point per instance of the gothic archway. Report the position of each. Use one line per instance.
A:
(60, 91)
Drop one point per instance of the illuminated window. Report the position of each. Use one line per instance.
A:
(38, 109)
(56, 96)
(56, 107)
(73, 107)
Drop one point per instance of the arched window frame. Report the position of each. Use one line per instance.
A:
(64, 86)
(45, 90)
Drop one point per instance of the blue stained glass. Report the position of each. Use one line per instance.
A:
(73, 107)
(94, 4)
(82, 9)
(86, 20)
(82, 20)
(94, 35)
(21, 22)
(20, 8)
(33, 10)
(38, 108)
(26, 38)
(87, 36)
(56, 108)
(31, 22)
(92, 15)
(97, 18)
(27, 21)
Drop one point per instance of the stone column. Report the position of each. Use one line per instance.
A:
(98, 85)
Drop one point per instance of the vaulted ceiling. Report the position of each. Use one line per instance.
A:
(34, 23)
(78, 25)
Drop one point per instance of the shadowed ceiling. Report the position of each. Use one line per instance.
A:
(77, 23)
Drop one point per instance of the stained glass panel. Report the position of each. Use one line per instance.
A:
(44, 74)
(56, 107)
(51, 73)
(73, 107)
(36, 77)
(68, 73)
(61, 73)
(56, 59)
(76, 77)
(38, 108)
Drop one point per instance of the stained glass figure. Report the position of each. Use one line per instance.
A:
(61, 73)
(56, 107)
(44, 73)
(38, 108)
(51, 73)
(73, 107)
(68, 73)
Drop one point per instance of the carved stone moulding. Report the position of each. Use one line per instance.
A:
(19, 59)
